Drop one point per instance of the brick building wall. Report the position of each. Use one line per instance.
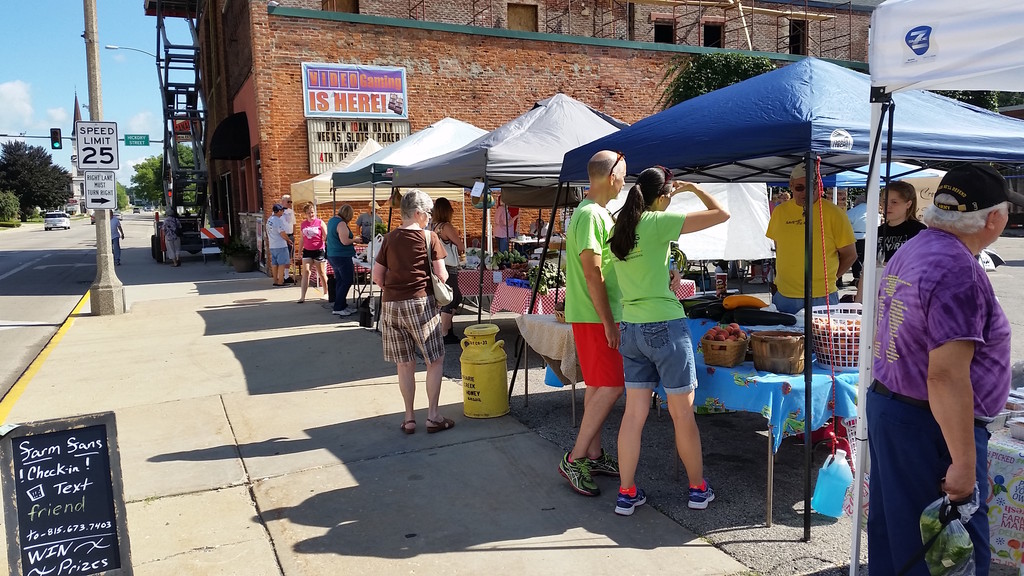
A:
(464, 73)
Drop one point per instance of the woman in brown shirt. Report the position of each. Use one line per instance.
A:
(409, 313)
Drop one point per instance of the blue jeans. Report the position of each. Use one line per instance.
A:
(658, 352)
(115, 241)
(794, 305)
(344, 270)
(908, 460)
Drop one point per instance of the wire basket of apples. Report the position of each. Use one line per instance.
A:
(724, 345)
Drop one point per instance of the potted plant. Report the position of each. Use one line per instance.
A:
(240, 255)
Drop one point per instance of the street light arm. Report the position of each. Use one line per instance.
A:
(112, 47)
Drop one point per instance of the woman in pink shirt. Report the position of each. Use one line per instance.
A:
(314, 236)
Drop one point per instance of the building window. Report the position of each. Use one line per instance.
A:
(522, 17)
(665, 32)
(798, 37)
(350, 6)
(713, 35)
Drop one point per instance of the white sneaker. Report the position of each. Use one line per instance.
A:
(345, 312)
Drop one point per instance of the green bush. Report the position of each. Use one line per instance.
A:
(14, 224)
(8, 205)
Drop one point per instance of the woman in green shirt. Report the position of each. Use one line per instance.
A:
(655, 341)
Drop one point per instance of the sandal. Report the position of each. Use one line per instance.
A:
(439, 426)
(406, 429)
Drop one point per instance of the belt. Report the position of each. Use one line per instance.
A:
(881, 389)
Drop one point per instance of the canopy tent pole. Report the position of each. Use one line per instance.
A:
(483, 255)
(520, 341)
(811, 188)
(881, 104)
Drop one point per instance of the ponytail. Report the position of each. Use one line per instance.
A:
(650, 184)
(623, 238)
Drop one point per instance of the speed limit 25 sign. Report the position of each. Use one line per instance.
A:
(97, 145)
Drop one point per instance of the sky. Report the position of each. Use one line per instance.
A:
(43, 65)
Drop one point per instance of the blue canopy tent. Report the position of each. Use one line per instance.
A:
(759, 129)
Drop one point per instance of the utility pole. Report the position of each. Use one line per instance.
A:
(106, 295)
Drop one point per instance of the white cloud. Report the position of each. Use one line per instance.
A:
(57, 116)
(141, 123)
(16, 112)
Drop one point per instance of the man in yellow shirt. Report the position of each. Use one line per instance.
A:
(786, 228)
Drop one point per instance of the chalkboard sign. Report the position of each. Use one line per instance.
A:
(63, 500)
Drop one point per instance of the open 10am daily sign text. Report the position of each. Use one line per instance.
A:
(63, 501)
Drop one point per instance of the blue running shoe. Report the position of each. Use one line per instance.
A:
(699, 498)
(625, 505)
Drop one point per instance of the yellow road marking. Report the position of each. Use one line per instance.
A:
(8, 401)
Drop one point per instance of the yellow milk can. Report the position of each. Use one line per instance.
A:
(484, 373)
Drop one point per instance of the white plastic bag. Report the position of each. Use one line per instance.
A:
(952, 552)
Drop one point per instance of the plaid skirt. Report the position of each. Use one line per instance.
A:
(406, 325)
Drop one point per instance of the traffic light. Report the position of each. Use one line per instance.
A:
(55, 141)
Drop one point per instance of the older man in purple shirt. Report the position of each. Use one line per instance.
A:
(941, 368)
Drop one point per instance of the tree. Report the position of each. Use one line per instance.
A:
(29, 172)
(122, 196)
(147, 182)
(8, 206)
(690, 76)
(980, 98)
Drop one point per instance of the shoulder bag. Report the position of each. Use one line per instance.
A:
(442, 292)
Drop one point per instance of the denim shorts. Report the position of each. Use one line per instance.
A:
(279, 256)
(656, 352)
(794, 305)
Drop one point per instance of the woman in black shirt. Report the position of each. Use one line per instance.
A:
(901, 224)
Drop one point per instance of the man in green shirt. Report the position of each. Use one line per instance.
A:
(593, 307)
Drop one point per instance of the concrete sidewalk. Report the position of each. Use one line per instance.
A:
(260, 436)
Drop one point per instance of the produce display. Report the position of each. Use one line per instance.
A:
(550, 277)
(508, 259)
(836, 340)
(726, 333)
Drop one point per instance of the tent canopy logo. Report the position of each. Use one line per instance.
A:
(919, 39)
(840, 140)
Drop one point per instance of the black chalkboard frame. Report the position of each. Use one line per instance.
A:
(7, 482)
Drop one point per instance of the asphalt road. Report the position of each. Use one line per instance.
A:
(43, 275)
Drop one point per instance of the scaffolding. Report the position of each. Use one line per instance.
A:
(821, 30)
(606, 19)
(483, 13)
(558, 17)
(417, 9)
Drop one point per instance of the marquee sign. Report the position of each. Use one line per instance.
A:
(351, 91)
(331, 141)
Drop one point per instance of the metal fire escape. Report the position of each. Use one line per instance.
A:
(184, 108)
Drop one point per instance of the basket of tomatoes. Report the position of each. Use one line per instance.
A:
(835, 335)
(724, 345)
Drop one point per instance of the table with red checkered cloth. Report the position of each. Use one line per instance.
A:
(686, 289)
(469, 281)
(517, 299)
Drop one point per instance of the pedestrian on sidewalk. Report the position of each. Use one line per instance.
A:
(172, 238)
(944, 375)
(441, 224)
(410, 316)
(593, 307)
(314, 236)
(340, 252)
(116, 235)
(278, 243)
(288, 217)
(656, 344)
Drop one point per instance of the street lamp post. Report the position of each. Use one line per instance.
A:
(113, 47)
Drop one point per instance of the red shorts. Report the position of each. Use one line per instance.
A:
(601, 365)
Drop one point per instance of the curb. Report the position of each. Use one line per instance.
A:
(8, 400)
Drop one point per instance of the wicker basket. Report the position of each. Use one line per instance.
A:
(836, 335)
(778, 351)
(725, 353)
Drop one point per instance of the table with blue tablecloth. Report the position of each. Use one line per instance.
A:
(777, 397)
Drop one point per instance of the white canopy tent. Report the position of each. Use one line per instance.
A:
(318, 188)
(742, 237)
(927, 45)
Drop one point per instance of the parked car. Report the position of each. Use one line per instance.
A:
(136, 210)
(53, 220)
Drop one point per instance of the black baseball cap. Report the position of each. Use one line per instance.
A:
(975, 187)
